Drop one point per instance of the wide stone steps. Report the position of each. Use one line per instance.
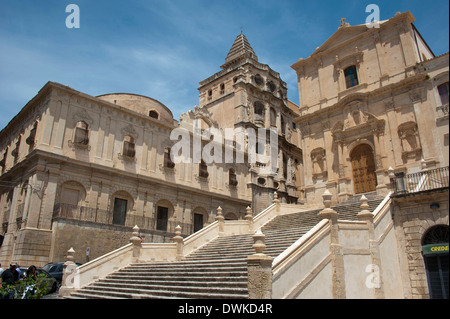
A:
(216, 270)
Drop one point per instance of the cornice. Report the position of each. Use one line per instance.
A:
(365, 96)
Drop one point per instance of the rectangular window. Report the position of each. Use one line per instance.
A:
(203, 170)
(120, 211)
(81, 136)
(129, 149)
(167, 161)
(162, 217)
(351, 77)
(198, 222)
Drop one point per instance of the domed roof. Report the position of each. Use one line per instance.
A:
(140, 104)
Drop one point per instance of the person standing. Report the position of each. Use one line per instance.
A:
(9, 277)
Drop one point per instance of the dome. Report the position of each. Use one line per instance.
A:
(140, 104)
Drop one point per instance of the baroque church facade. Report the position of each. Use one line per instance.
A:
(80, 171)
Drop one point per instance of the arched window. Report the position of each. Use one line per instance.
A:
(351, 76)
(81, 133)
(129, 146)
(435, 253)
(273, 118)
(285, 166)
(443, 93)
(259, 112)
(153, 114)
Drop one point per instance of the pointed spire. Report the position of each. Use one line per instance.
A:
(240, 47)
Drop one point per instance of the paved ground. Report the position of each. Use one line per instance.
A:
(53, 295)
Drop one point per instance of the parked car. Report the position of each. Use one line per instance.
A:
(51, 282)
(56, 270)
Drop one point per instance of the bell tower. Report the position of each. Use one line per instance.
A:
(248, 94)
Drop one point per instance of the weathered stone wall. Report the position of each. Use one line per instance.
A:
(413, 217)
(100, 238)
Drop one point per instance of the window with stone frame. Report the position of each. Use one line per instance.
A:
(259, 80)
(31, 138)
(444, 93)
(15, 152)
(273, 118)
(351, 76)
(232, 180)
(259, 112)
(203, 170)
(283, 126)
(129, 147)
(3, 161)
(285, 166)
(167, 160)
(153, 114)
(81, 133)
(162, 218)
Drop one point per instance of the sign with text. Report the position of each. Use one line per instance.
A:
(435, 249)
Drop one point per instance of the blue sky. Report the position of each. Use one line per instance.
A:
(164, 48)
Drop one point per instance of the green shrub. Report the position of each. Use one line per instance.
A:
(28, 288)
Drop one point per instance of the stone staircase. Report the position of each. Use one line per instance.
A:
(216, 270)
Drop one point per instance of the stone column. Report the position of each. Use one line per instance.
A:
(259, 270)
(337, 255)
(367, 216)
(69, 282)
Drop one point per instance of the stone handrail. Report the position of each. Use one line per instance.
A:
(153, 252)
(295, 268)
(75, 278)
(289, 274)
(200, 238)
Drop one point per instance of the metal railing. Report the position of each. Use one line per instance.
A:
(104, 217)
(421, 181)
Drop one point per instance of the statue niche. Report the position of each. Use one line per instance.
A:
(319, 163)
(410, 142)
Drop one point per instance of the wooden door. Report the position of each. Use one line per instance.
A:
(363, 166)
